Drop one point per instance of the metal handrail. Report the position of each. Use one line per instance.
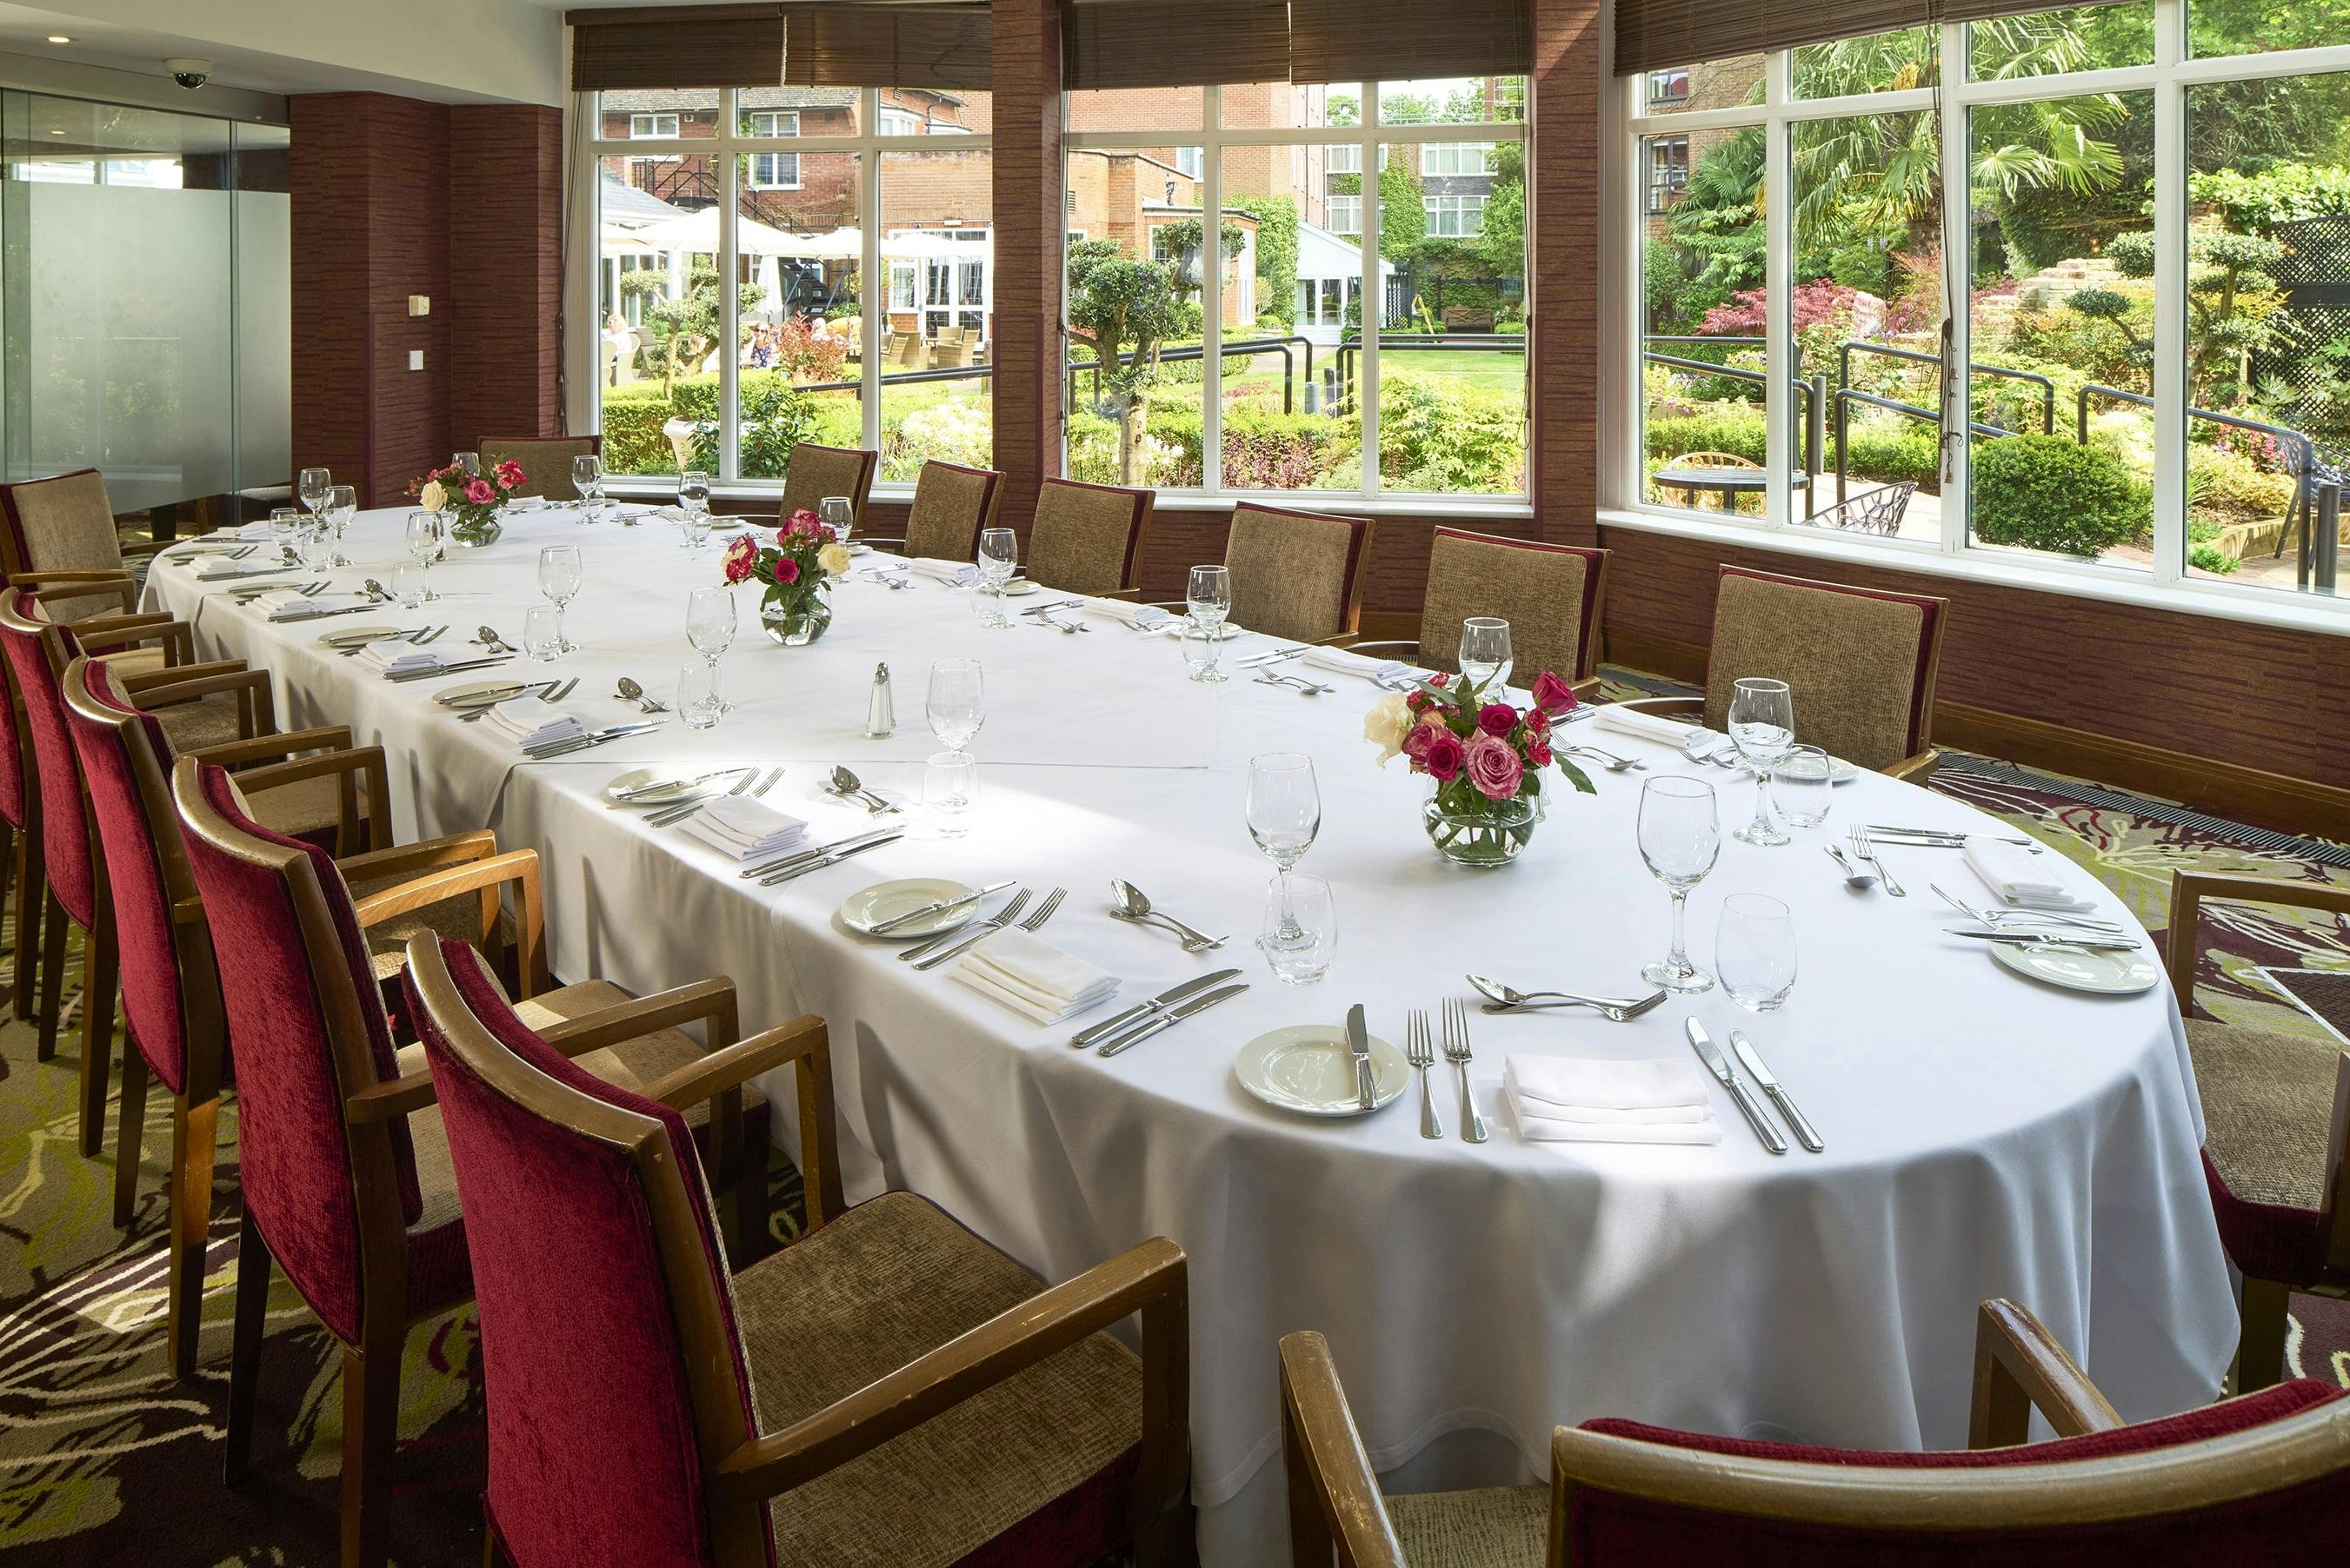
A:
(1247, 345)
(1807, 390)
(2300, 519)
(2047, 386)
(1845, 397)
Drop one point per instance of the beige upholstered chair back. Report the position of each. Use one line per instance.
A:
(1550, 594)
(951, 505)
(1086, 538)
(816, 471)
(1297, 575)
(63, 523)
(1860, 663)
(545, 461)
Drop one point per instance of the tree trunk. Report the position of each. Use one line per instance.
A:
(1131, 410)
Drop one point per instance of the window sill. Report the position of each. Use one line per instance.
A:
(2260, 606)
(1464, 508)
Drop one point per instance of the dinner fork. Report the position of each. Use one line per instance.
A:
(1995, 918)
(1864, 849)
(669, 815)
(1456, 1051)
(1036, 918)
(1002, 918)
(1421, 1054)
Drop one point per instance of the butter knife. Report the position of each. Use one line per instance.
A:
(1719, 1065)
(1358, 1041)
(935, 906)
(1169, 1019)
(427, 672)
(1752, 1061)
(1142, 1009)
(576, 742)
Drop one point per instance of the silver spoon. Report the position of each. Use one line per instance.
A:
(1608, 760)
(632, 692)
(377, 591)
(485, 638)
(845, 783)
(1506, 999)
(1133, 904)
(1853, 878)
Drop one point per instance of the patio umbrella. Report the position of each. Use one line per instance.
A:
(697, 231)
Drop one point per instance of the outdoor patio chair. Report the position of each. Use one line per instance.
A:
(1877, 510)
(1715, 460)
(1552, 595)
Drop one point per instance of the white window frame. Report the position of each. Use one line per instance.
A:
(1213, 137)
(1625, 214)
(1484, 161)
(653, 118)
(1467, 212)
(727, 152)
(892, 119)
(1351, 225)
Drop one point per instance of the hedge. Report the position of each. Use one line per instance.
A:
(1875, 453)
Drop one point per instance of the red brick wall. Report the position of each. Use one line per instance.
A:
(1029, 208)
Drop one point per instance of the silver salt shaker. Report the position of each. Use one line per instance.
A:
(881, 711)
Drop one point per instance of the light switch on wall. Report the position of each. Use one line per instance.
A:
(416, 359)
(419, 305)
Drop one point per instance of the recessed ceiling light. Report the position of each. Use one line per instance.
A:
(60, 38)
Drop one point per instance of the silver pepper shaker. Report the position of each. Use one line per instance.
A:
(881, 711)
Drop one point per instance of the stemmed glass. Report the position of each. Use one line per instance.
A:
(1680, 839)
(312, 488)
(1284, 814)
(1762, 724)
(587, 479)
(835, 513)
(342, 505)
(558, 579)
(999, 557)
(1754, 949)
(709, 623)
(424, 544)
(1485, 659)
(471, 461)
(694, 497)
(1208, 598)
(956, 704)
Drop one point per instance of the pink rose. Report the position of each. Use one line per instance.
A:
(1493, 767)
(480, 492)
(1538, 752)
(1497, 717)
(800, 522)
(1442, 755)
(1553, 695)
(510, 474)
(741, 560)
(787, 571)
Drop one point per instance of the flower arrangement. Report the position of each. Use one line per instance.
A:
(469, 501)
(1484, 756)
(792, 574)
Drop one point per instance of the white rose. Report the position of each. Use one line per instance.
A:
(1387, 724)
(432, 497)
(834, 559)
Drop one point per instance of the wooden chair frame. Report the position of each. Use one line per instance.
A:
(1585, 676)
(2261, 1305)
(742, 1468)
(1336, 1505)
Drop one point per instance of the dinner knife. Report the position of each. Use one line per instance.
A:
(672, 787)
(1719, 1065)
(818, 852)
(833, 859)
(1170, 1018)
(1752, 1061)
(935, 906)
(1358, 1041)
(1275, 657)
(1142, 1009)
(577, 742)
(1948, 835)
(2092, 941)
(427, 672)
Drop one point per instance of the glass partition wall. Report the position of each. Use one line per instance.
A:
(145, 305)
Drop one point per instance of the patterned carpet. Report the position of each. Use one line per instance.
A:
(104, 1460)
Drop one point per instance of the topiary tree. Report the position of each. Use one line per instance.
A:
(1276, 253)
(2230, 300)
(688, 326)
(1125, 310)
(2045, 493)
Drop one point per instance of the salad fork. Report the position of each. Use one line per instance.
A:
(1421, 1054)
(1036, 918)
(668, 815)
(997, 922)
(1997, 917)
(1863, 851)
(1456, 1051)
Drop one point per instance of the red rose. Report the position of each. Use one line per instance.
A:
(802, 522)
(1553, 695)
(480, 493)
(1538, 752)
(1497, 719)
(1537, 721)
(787, 571)
(510, 474)
(741, 559)
(1443, 754)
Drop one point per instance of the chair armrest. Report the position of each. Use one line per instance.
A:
(2188, 889)
(712, 1000)
(89, 586)
(870, 539)
(2019, 1365)
(366, 761)
(273, 747)
(1667, 707)
(70, 574)
(1124, 596)
(146, 546)
(407, 859)
(390, 1100)
(131, 685)
(1915, 767)
(1150, 1278)
(738, 1064)
(1334, 1501)
(251, 686)
(485, 876)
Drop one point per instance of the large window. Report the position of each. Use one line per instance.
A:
(736, 233)
(2142, 277)
(1252, 370)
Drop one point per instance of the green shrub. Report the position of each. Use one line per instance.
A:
(2045, 493)
(776, 416)
(2211, 558)
(2233, 489)
(1447, 440)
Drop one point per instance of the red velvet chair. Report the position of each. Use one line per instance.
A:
(2260, 1480)
(889, 1391)
(341, 1152)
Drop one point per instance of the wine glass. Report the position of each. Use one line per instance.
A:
(710, 622)
(558, 579)
(471, 461)
(1208, 598)
(1754, 949)
(587, 479)
(424, 544)
(957, 703)
(1680, 839)
(312, 488)
(693, 498)
(1485, 657)
(836, 512)
(999, 557)
(1284, 814)
(1762, 724)
(342, 505)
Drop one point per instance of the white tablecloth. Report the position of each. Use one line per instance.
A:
(1987, 1135)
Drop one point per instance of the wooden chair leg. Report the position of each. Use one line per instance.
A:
(2260, 1349)
(97, 985)
(193, 1152)
(29, 891)
(130, 1134)
(9, 992)
(53, 975)
(370, 1441)
(253, 1264)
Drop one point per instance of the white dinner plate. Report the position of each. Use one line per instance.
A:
(637, 778)
(863, 910)
(727, 523)
(480, 694)
(2080, 969)
(860, 549)
(359, 636)
(1018, 586)
(1307, 1068)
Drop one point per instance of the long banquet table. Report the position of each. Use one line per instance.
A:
(1986, 1136)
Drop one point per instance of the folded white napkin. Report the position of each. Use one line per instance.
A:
(395, 657)
(276, 600)
(1143, 616)
(1560, 1099)
(1638, 721)
(1032, 978)
(943, 571)
(321, 604)
(2019, 877)
(746, 828)
(533, 720)
(1344, 662)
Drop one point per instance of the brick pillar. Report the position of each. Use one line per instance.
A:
(1562, 244)
(505, 272)
(1028, 350)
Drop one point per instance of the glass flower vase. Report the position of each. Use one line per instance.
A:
(795, 623)
(472, 532)
(1490, 833)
